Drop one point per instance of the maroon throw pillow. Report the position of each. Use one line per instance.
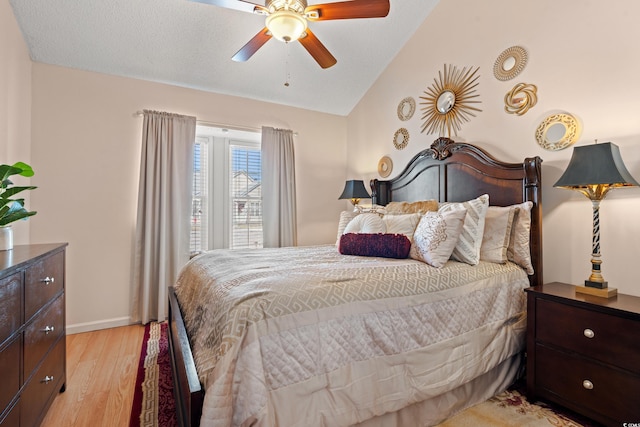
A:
(375, 244)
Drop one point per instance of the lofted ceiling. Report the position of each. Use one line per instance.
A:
(190, 44)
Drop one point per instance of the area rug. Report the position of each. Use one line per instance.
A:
(153, 401)
(512, 409)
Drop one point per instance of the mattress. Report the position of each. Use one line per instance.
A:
(308, 337)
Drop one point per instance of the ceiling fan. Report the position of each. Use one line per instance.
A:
(287, 21)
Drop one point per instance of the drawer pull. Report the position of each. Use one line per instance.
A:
(589, 333)
(48, 329)
(47, 379)
(48, 280)
(587, 384)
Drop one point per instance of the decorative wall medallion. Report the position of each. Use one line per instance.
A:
(558, 131)
(385, 166)
(520, 99)
(401, 138)
(447, 103)
(510, 63)
(406, 108)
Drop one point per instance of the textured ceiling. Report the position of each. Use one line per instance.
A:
(190, 44)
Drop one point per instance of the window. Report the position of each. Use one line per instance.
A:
(227, 190)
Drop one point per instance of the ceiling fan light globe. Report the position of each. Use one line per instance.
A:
(286, 26)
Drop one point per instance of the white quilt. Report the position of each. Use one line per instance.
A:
(309, 337)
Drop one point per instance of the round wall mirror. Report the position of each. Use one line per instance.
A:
(406, 108)
(510, 63)
(401, 138)
(446, 101)
(520, 99)
(449, 102)
(558, 131)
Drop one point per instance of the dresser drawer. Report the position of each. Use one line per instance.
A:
(9, 375)
(12, 418)
(611, 393)
(590, 333)
(43, 333)
(43, 281)
(10, 305)
(43, 386)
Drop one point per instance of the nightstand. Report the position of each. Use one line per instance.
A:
(583, 352)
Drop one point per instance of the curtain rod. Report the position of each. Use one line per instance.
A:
(223, 125)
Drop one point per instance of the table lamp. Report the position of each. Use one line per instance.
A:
(355, 191)
(594, 170)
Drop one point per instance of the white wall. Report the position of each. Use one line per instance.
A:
(582, 59)
(15, 105)
(86, 150)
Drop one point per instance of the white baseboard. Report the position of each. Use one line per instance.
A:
(97, 325)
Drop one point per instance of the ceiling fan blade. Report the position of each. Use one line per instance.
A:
(348, 10)
(252, 46)
(317, 49)
(242, 5)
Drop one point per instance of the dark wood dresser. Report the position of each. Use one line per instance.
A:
(32, 332)
(583, 352)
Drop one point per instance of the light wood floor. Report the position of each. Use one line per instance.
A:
(101, 374)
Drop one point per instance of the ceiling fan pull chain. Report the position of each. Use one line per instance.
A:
(287, 75)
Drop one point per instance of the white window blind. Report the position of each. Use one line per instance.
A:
(227, 190)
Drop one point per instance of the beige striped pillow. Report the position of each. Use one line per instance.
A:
(468, 247)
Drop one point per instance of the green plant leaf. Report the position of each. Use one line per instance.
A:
(25, 169)
(15, 190)
(15, 213)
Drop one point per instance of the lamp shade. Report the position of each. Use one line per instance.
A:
(596, 164)
(354, 189)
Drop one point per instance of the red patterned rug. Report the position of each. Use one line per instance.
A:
(153, 401)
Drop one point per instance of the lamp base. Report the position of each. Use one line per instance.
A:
(598, 292)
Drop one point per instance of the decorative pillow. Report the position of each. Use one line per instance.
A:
(436, 236)
(345, 218)
(421, 207)
(468, 246)
(518, 250)
(378, 244)
(497, 232)
(402, 224)
(366, 223)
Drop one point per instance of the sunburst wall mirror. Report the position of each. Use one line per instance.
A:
(448, 103)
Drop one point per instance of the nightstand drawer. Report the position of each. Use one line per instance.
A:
(43, 333)
(585, 385)
(590, 333)
(43, 281)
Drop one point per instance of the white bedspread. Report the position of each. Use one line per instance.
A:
(308, 337)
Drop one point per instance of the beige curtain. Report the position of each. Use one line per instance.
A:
(279, 220)
(164, 209)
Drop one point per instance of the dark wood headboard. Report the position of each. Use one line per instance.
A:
(455, 172)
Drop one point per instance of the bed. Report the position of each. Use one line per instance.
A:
(319, 338)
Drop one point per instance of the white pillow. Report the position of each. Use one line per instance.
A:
(366, 223)
(468, 247)
(518, 250)
(497, 232)
(436, 236)
(402, 224)
(345, 218)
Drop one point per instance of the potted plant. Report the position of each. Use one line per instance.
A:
(12, 209)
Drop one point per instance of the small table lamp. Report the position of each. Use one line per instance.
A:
(355, 191)
(593, 171)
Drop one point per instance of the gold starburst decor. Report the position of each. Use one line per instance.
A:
(448, 103)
